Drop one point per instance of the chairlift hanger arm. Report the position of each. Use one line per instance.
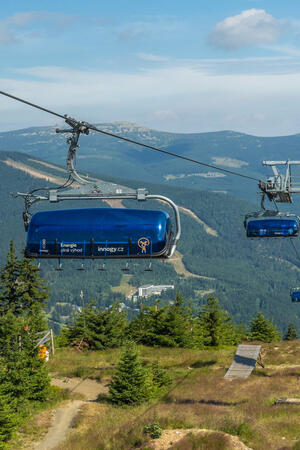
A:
(280, 186)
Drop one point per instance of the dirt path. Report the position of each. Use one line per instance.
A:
(180, 268)
(64, 416)
(36, 173)
(62, 423)
(207, 229)
(171, 437)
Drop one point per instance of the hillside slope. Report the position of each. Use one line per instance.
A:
(246, 275)
(232, 150)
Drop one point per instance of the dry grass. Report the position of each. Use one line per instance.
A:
(215, 441)
(180, 268)
(125, 288)
(199, 398)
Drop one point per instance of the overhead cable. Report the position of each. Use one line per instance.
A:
(131, 141)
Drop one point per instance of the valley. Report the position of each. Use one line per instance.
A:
(213, 254)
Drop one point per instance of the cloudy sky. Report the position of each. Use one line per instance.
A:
(192, 66)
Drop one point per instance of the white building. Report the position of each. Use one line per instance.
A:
(149, 289)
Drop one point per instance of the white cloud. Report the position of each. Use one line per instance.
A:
(6, 35)
(14, 28)
(151, 57)
(165, 115)
(153, 26)
(178, 98)
(250, 27)
(290, 51)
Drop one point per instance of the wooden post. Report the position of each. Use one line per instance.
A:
(20, 342)
(52, 341)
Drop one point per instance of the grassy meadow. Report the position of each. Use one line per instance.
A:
(198, 398)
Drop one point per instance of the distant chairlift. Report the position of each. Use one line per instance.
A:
(93, 233)
(278, 188)
(295, 295)
(270, 224)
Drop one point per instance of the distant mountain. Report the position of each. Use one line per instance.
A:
(214, 254)
(106, 155)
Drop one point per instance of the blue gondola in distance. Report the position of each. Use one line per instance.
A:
(295, 295)
(99, 233)
(266, 224)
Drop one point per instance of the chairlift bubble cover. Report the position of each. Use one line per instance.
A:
(295, 296)
(99, 233)
(272, 226)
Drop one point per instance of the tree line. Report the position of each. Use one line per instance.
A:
(175, 325)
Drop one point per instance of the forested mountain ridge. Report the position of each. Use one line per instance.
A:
(228, 149)
(246, 275)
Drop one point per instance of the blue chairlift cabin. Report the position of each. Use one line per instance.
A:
(268, 224)
(93, 233)
(295, 295)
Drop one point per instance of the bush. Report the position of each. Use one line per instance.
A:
(154, 430)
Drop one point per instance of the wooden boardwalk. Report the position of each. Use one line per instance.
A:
(244, 362)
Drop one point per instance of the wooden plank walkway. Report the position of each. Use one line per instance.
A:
(244, 361)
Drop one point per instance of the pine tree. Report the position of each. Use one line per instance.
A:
(8, 417)
(22, 301)
(216, 325)
(32, 291)
(179, 323)
(150, 327)
(263, 329)
(25, 373)
(131, 384)
(160, 378)
(291, 333)
(99, 328)
(166, 326)
(9, 282)
(23, 291)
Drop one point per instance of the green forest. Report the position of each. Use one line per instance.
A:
(246, 275)
(24, 381)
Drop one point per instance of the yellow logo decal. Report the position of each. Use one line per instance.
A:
(143, 243)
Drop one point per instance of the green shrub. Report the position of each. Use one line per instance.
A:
(154, 430)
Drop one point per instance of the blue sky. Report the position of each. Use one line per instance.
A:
(192, 66)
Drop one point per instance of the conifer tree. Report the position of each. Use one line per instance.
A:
(32, 291)
(160, 378)
(22, 300)
(179, 323)
(23, 291)
(99, 328)
(217, 326)
(8, 417)
(25, 374)
(291, 333)
(150, 327)
(9, 282)
(167, 326)
(131, 383)
(263, 329)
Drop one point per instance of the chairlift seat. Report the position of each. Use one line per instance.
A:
(271, 224)
(99, 233)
